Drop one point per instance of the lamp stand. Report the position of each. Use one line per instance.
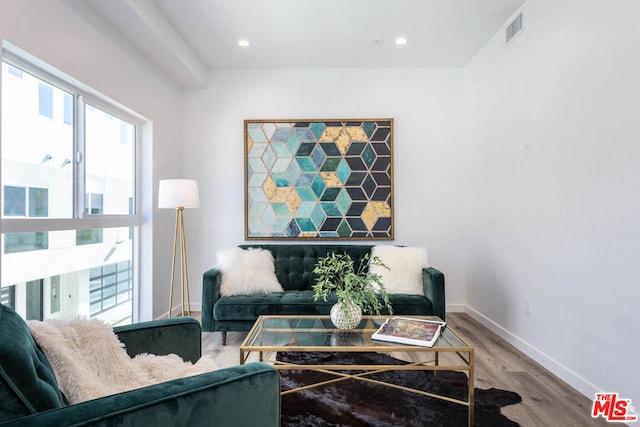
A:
(184, 272)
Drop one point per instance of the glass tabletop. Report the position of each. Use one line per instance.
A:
(300, 333)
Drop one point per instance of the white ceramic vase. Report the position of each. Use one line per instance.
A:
(347, 318)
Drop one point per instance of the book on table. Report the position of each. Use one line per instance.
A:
(405, 330)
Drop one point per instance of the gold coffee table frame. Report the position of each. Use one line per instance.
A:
(271, 334)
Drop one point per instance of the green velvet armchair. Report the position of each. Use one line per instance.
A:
(30, 396)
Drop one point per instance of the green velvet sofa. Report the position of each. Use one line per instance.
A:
(30, 396)
(294, 265)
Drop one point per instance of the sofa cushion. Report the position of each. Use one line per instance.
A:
(247, 272)
(404, 275)
(290, 302)
(27, 382)
(302, 303)
(295, 263)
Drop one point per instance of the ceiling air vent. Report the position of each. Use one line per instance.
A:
(514, 28)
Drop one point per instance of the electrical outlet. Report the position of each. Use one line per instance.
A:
(528, 306)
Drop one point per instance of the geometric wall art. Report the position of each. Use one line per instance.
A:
(319, 179)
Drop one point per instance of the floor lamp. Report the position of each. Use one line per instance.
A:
(179, 194)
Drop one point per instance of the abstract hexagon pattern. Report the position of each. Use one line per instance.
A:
(319, 179)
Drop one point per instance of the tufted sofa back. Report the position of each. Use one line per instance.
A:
(294, 263)
(27, 382)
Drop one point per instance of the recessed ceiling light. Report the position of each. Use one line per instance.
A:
(243, 43)
(401, 40)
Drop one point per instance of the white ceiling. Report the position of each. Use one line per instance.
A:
(187, 37)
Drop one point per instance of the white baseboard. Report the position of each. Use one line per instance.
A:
(558, 369)
(456, 308)
(176, 310)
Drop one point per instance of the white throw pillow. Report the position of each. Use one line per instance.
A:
(405, 268)
(247, 272)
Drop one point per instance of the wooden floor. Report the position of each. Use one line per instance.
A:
(546, 400)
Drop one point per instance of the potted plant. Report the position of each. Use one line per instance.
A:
(358, 290)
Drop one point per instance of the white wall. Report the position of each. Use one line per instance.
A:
(554, 139)
(73, 41)
(427, 106)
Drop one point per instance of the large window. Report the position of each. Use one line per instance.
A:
(70, 216)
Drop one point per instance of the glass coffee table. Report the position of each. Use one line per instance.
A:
(271, 334)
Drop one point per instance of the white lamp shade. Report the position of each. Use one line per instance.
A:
(178, 193)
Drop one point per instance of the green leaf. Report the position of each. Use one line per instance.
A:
(337, 273)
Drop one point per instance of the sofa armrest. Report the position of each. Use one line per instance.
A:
(433, 283)
(210, 294)
(178, 335)
(215, 398)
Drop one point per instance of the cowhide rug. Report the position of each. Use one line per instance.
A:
(360, 403)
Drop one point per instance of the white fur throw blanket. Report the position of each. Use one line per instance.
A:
(90, 362)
